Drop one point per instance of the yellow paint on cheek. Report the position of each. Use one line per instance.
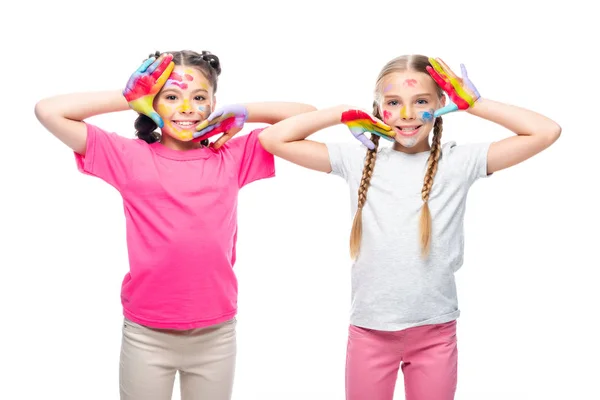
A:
(164, 110)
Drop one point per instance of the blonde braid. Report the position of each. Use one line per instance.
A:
(365, 182)
(432, 165)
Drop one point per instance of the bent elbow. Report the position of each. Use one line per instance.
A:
(40, 110)
(554, 133)
(266, 140)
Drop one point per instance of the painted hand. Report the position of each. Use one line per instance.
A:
(229, 119)
(463, 94)
(360, 122)
(145, 83)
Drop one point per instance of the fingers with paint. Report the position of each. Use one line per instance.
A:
(145, 83)
(360, 122)
(228, 120)
(461, 91)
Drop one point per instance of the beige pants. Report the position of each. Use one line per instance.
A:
(205, 359)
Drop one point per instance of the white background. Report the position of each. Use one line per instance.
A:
(528, 289)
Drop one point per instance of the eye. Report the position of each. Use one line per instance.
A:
(422, 101)
(199, 98)
(392, 103)
(171, 97)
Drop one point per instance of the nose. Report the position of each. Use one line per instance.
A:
(185, 108)
(407, 113)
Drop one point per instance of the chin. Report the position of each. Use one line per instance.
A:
(186, 136)
(409, 141)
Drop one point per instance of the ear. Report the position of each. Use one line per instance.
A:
(443, 100)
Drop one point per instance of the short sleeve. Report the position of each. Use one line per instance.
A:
(471, 160)
(255, 162)
(346, 159)
(105, 156)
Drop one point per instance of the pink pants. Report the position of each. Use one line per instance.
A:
(428, 354)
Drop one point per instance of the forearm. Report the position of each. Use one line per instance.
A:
(79, 106)
(63, 115)
(274, 112)
(521, 121)
(286, 139)
(301, 126)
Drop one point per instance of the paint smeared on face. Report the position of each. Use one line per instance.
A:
(164, 110)
(388, 88)
(185, 106)
(410, 142)
(426, 116)
(176, 80)
(183, 86)
(403, 112)
(179, 132)
(410, 83)
(386, 115)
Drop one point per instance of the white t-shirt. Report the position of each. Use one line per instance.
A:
(393, 287)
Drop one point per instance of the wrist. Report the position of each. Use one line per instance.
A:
(476, 106)
(335, 113)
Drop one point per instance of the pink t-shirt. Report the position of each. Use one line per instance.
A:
(181, 222)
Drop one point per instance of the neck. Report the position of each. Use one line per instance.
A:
(418, 148)
(174, 144)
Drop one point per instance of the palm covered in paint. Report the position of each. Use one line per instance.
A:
(360, 122)
(463, 94)
(145, 83)
(228, 120)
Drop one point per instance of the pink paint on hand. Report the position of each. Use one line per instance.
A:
(410, 83)
(227, 124)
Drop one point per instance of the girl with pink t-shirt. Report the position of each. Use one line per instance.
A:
(180, 199)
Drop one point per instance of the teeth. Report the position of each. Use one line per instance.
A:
(408, 129)
(185, 123)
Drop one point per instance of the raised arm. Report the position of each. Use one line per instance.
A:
(274, 112)
(230, 119)
(63, 115)
(287, 139)
(534, 131)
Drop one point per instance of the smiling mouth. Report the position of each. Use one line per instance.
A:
(408, 130)
(185, 124)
